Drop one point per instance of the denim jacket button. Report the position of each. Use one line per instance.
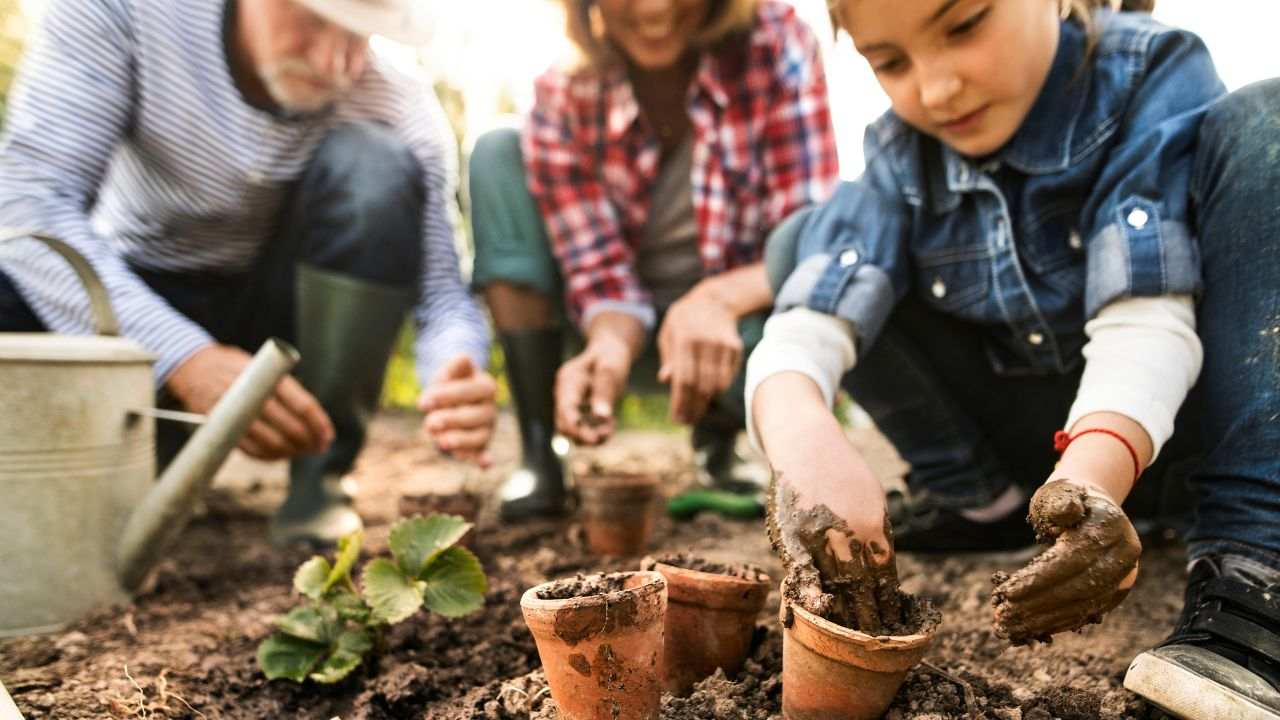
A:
(1075, 242)
(1035, 338)
(848, 257)
(939, 288)
(1137, 218)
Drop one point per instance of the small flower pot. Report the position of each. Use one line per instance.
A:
(601, 643)
(617, 512)
(830, 671)
(711, 617)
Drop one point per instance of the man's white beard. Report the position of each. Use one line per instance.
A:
(287, 83)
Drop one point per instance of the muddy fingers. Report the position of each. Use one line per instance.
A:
(1086, 573)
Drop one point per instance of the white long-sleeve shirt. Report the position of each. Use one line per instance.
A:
(1141, 359)
(128, 138)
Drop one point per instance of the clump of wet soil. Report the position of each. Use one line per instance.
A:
(687, 561)
(583, 586)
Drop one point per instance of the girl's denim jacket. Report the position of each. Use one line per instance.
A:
(1087, 203)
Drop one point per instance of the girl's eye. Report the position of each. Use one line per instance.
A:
(968, 25)
(889, 66)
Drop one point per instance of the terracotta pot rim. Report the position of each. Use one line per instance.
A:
(857, 637)
(616, 481)
(713, 578)
(654, 583)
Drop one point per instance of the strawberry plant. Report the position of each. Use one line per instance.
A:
(328, 637)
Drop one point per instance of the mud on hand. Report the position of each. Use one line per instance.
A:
(1088, 571)
(831, 572)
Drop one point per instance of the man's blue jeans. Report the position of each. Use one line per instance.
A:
(969, 433)
(357, 211)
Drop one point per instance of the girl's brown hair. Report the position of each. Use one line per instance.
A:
(1081, 11)
(586, 29)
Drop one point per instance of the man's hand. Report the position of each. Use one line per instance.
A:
(460, 407)
(587, 387)
(1087, 572)
(700, 351)
(291, 422)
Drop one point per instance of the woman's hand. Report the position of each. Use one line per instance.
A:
(827, 514)
(1092, 564)
(460, 406)
(700, 353)
(291, 422)
(589, 384)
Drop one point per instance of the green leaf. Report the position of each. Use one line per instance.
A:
(314, 623)
(391, 594)
(347, 655)
(312, 576)
(284, 656)
(348, 553)
(349, 605)
(455, 583)
(416, 541)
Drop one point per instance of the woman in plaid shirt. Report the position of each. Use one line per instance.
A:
(640, 194)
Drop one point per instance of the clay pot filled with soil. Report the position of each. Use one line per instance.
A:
(600, 641)
(831, 671)
(617, 512)
(711, 616)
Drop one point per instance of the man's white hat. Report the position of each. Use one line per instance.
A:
(400, 20)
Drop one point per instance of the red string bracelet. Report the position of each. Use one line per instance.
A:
(1061, 440)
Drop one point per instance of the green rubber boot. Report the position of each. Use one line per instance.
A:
(347, 328)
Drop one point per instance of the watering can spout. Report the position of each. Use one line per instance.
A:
(156, 523)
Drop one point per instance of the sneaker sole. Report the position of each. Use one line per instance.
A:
(1186, 694)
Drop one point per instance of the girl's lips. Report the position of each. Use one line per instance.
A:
(965, 123)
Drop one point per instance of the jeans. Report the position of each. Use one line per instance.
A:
(356, 211)
(970, 433)
(512, 246)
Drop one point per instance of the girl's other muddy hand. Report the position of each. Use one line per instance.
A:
(1092, 564)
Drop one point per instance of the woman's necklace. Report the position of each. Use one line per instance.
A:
(661, 96)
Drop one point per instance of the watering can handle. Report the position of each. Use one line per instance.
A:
(103, 318)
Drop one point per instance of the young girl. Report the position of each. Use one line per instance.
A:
(1059, 227)
(638, 198)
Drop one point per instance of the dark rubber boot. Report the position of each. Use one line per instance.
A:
(347, 328)
(537, 487)
(716, 460)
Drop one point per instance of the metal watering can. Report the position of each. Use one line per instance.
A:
(82, 519)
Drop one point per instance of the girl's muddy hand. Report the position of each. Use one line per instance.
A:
(1087, 572)
(844, 574)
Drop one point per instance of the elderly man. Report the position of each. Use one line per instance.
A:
(241, 169)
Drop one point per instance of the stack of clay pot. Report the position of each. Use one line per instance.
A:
(610, 644)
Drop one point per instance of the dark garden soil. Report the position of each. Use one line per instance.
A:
(185, 648)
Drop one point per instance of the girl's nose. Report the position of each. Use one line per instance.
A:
(939, 86)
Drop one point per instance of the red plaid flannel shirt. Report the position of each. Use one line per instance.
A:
(763, 147)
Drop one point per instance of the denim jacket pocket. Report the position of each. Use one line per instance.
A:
(955, 280)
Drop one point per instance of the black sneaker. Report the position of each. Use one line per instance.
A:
(926, 524)
(1223, 659)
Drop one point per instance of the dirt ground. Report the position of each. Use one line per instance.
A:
(185, 649)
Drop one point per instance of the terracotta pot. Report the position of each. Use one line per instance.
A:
(830, 671)
(602, 654)
(711, 619)
(617, 512)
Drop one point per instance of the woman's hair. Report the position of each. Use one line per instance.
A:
(586, 31)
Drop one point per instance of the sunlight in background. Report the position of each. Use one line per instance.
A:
(494, 48)
(491, 50)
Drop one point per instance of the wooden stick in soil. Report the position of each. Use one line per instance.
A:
(970, 700)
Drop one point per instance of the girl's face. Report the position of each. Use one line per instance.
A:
(654, 34)
(964, 71)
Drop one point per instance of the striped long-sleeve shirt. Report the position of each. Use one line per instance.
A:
(128, 138)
